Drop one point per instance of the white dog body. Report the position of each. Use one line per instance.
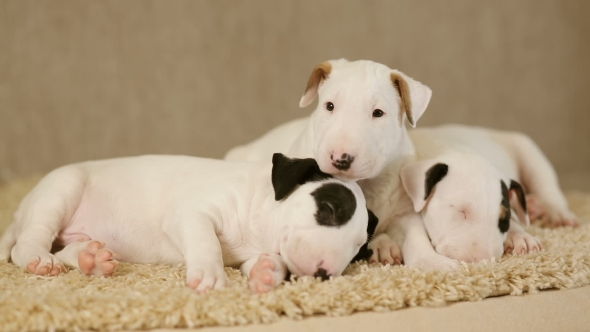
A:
(178, 209)
(357, 127)
(482, 165)
(381, 147)
(513, 154)
(361, 111)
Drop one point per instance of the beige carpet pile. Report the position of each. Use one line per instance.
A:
(150, 296)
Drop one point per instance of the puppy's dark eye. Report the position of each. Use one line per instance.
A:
(378, 113)
(330, 106)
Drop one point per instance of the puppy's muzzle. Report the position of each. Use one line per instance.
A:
(343, 163)
(322, 274)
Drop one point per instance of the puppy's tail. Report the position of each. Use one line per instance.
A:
(7, 241)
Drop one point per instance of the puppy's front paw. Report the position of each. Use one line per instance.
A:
(266, 273)
(206, 276)
(385, 250)
(521, 243)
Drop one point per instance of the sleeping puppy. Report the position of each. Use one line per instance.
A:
(467, 186)
(203, 212)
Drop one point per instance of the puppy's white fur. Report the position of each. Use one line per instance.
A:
(461, 215)
(177, 209)
(356, 89)
(383, 147)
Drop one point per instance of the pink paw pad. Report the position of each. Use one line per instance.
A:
(96, 260)
(262, 277)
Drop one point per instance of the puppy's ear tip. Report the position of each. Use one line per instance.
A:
(277, 156)
(303, 102)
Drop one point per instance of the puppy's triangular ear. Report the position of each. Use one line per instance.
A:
(288, 173)
(420, 178)
(318, 75)
(414, 96)
(518, 202)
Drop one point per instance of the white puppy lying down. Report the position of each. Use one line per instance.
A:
(202, 212)
(466, 182)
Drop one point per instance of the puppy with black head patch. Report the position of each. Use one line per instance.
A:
(265, 218)
(467, 186)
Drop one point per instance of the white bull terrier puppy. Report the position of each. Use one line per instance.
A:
(466, 183)
(357, 128)
(357, 132)
(203, 212)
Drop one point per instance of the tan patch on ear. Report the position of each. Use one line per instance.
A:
(319, 73)
(503, 212)
(404, 92)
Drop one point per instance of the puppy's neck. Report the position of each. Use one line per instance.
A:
(263, 216)
(385, 193)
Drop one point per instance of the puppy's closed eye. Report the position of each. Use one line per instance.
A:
(461, 211)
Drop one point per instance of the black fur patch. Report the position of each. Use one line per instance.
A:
(288, 173)
(364, 252)
(504, 221)
(433, 176)
(519, 192)
(336, 204)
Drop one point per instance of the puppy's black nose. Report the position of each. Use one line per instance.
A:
(322, 274)
(344, 162)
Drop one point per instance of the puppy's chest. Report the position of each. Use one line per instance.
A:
(388, 203)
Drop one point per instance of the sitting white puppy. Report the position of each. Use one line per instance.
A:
(357, 127)
(466, 186)
(203, 212)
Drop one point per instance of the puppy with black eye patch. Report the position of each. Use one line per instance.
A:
(465, 184)
(263, 218)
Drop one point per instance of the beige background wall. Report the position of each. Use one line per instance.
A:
(94, 79)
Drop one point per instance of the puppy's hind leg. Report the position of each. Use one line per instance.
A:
(90, 257)
(539, 179)
(41, 216)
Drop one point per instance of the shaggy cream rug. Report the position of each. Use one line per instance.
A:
(154, 296)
